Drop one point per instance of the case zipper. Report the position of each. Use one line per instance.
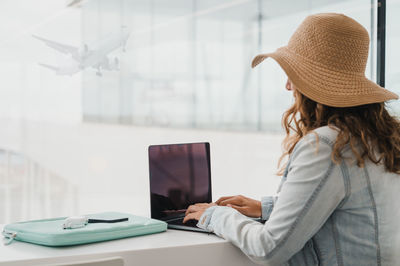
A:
(8, 237)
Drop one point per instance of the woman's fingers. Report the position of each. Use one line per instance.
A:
(192, 208)
(245, 206)
(222, 199)
(198, 207)
(236, 200)
(194, 213)
(205, 204)
(190, 216)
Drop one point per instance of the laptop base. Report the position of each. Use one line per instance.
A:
(187, 228)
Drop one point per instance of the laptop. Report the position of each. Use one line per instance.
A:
(180, 175)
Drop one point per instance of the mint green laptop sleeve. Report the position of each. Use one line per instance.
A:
(50, 232)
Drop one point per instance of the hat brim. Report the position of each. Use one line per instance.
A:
(327, 86)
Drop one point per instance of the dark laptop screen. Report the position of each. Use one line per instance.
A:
(179, 177)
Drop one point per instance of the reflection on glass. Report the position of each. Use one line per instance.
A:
(187, 63)
(28, 191)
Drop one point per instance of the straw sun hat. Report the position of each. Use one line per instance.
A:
(325, 60)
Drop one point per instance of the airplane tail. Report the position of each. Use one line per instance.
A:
(39, 38)
(49, 66)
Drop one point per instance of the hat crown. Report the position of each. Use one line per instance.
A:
(333, 41)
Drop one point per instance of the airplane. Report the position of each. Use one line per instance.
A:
(75, 3)
(83, 57)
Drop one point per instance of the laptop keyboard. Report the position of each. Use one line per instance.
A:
(191, 223)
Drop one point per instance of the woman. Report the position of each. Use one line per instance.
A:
(338, 201)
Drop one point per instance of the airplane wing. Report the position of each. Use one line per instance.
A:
(63, 48)
(49, 66)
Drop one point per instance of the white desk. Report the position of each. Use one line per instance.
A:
(169, 248)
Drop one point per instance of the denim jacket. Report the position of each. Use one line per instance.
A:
(324, 213)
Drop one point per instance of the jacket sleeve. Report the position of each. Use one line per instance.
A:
(306, 200)
(267, 205)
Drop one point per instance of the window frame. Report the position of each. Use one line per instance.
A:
(381, 42)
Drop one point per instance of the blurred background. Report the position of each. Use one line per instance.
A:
(87, 85)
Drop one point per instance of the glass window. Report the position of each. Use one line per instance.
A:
(392, 68)
(187, 63)
(85, 89)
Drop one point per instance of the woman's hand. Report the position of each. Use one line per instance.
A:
(195, 211)
(244, 205)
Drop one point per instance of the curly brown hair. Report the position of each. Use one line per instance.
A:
(369, 130)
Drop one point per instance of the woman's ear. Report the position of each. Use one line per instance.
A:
(288, 85)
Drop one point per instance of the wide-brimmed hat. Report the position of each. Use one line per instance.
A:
(326, 58)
